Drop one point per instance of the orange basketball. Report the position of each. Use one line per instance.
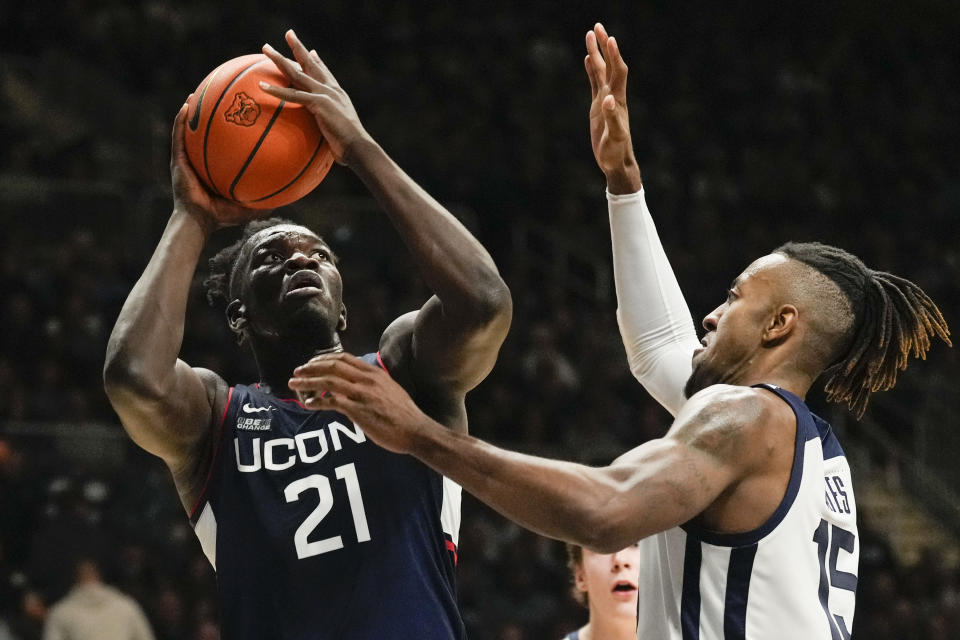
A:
(249, 146)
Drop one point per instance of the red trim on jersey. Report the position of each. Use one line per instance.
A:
(380, 360)
(216, 450)
(452, 548)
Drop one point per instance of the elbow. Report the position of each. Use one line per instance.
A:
(116, 372)
(609, 527)
(122, 378)
(491, 303)
(498, 302)
(606, 537)
(118, 381)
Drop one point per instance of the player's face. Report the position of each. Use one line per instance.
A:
(290, 283)
(610, 581)
(734, 330)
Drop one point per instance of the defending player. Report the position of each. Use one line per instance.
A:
(747, 499)
(605, 583)
(315, 532)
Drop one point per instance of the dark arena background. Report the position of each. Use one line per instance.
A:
(754, 124)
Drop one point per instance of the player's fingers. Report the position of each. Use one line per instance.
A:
(334, 402)
(300, 53)
(291, 94)
(617, 70)
(596, 59)
(325, 385)
(590, 75)
(614, 118)
(306, 383)
(176, 136)
(342, 364)
(291, 69)
(602, 36)
(309, 60)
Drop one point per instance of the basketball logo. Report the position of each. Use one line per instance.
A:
(244, 111)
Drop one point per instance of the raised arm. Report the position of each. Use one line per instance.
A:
(659, 485)
(166, 406)
(452, 342)
(655, 324)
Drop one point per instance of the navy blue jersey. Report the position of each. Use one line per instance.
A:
(316, 532)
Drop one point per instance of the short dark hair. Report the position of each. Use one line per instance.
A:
(223, 266)
(892, 317)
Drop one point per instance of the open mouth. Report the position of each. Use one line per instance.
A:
(304, 283)
(624, 586)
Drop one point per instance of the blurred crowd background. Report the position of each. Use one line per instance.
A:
(754, 123)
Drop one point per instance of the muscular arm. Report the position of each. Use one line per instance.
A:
(457, 333)
(453, 341)
(166, 406)
(658, 485)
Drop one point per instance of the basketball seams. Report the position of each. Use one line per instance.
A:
(206, 133)
(256, 147)
(296, 179)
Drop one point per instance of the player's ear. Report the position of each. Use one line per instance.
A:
(780, 325)
(237, 319)
(579, 578)
(342, 322)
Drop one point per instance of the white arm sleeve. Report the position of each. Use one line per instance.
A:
(655, 323)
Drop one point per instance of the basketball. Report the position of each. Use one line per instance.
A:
(251, 147)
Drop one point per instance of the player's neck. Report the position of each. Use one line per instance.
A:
(606, 627)
(276, 362)
(786, 376)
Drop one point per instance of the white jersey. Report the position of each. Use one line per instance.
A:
(794, 578)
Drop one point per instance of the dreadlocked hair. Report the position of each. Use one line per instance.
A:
(893, 318)
(219, 282)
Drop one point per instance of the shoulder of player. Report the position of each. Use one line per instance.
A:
(190, 468)
(214, 384)
(397, 356)
(218, 393)
(437, 400)
(729, 421)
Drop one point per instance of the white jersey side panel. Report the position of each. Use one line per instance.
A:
(792, 579)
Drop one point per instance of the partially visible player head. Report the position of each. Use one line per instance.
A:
(279, 281)
(606, 583)
(817, 308)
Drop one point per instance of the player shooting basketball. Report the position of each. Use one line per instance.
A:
(746, 506)
(314, 531)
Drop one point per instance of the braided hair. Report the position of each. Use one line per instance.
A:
(892, 318)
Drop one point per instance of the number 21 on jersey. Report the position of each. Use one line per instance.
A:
(347, 473)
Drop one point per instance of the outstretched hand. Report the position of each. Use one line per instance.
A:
(609, 120)
(318, 90)
(364, 393)
(189, 194)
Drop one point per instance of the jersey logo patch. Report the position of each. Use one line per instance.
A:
(254, 424)
(249, 408)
